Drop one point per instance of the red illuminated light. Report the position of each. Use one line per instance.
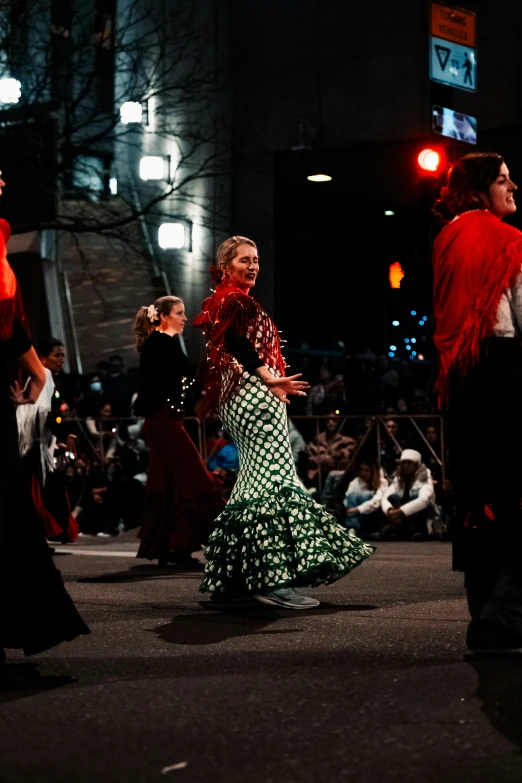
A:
(429, 160)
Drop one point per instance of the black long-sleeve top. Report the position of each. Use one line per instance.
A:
(242, 349)
(163, 365)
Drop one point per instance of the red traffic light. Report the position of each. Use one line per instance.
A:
(429, 159)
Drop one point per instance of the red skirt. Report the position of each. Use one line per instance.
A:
(181, 496)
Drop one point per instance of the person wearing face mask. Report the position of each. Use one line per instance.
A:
(272, 537)
(477, 271)
(181, 497)
(95, 386)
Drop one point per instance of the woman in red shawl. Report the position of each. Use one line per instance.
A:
(477, 265)
(271, 537)
(36, 612)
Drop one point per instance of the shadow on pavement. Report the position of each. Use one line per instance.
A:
(198, 629)
(140, 573)
(21, 680)
(499, 690)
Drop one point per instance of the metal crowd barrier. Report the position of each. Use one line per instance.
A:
(359, 427)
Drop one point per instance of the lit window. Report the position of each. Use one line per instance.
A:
(153, 167)
(171, 236)
(113, 186)
(131, 112)
(10, 90)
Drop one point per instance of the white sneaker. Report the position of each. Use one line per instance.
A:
(287, 598)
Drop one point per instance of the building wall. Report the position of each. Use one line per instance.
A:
(355, 77)
(188, 103)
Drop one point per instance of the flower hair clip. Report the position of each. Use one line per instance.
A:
(152, 313)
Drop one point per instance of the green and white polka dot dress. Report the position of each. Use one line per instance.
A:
(272, 533)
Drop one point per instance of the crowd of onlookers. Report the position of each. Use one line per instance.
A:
(347, 438)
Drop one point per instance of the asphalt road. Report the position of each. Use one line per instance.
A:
(371, 687)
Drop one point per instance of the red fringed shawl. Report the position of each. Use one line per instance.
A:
(221, 372)
(10, 298)
(476, 258)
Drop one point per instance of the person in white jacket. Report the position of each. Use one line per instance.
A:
(407, 501)
(363, 498)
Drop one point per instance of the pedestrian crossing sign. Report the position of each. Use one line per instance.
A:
(453, 64)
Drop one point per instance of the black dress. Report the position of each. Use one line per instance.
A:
(181, 497)
(36, 612)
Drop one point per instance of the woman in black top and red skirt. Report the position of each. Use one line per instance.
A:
(181, 499)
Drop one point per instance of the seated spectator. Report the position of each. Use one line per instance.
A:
(391, 446)
(226, 459)
(103, 428)
(97, 510)
(363, 499)
(430, 459)
(216, 439)
(408, 500)
(330, 449)
(298, 446)
(89, 404)
(326, 395)
(331, 491)
(117, 387)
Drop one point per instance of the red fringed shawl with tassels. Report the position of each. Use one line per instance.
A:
(476, 258)
(10, 297)
(229, 308)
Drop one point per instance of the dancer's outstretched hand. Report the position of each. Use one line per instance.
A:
(18, 396)
(282, 387)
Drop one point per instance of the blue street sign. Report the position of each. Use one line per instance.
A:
(453, 64)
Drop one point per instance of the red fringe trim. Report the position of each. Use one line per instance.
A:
(481, 318)
(52, 528)
(221, 373)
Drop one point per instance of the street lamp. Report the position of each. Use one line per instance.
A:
(319, 178)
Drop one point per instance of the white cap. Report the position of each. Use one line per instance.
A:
(412, 455)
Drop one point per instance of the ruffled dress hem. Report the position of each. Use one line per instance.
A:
(285, 539)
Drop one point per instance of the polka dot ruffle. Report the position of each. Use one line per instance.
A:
(272, 533)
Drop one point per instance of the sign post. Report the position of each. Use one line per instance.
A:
(453, 53)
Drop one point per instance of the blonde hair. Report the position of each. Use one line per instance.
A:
(143, 326)
(228, 249)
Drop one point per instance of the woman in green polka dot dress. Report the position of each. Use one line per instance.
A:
(272, 537)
